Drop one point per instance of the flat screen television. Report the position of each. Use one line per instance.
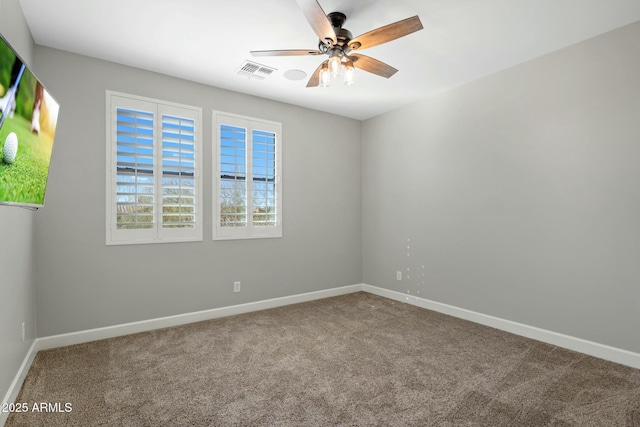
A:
(27, 127)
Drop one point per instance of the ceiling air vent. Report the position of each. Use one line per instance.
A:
(255, 70)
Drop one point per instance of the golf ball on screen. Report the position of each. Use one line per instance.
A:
(10, 148)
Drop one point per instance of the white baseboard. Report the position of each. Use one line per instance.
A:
(15, 386)
(591, 348)
(183, 319)
(583, 346)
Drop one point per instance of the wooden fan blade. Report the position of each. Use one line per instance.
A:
(315, 78)
(386, 33)
(372, 65)
(289, 52)
(318, 20)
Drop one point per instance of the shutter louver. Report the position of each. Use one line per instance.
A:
(233, 176)
(264, 179)
(135, 169)
(178, 172)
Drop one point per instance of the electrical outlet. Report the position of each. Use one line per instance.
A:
(398, 275)
(236, 286)
(23, 332)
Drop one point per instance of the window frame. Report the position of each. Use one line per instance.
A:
(157, 233)
(250, 124)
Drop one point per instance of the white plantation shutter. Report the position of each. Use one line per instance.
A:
(232, 185)
(247, 159)
(178, 182)
(153, 163)
(134, 165)
(264, 179)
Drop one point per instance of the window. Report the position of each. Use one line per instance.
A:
(153, 171)
(248, 167)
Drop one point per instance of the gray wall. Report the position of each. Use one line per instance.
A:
(518, 195)
(17, 288)
(83, 284)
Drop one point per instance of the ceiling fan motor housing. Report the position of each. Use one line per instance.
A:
(337, 19)
(343, 36)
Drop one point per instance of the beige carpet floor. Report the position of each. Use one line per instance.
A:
(354, 360)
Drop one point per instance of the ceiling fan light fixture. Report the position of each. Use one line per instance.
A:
(335, 61)
(349, 73)
(325, 76)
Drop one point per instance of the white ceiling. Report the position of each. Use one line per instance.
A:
(207, 40)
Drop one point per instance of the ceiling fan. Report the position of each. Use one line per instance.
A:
(338, 43)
